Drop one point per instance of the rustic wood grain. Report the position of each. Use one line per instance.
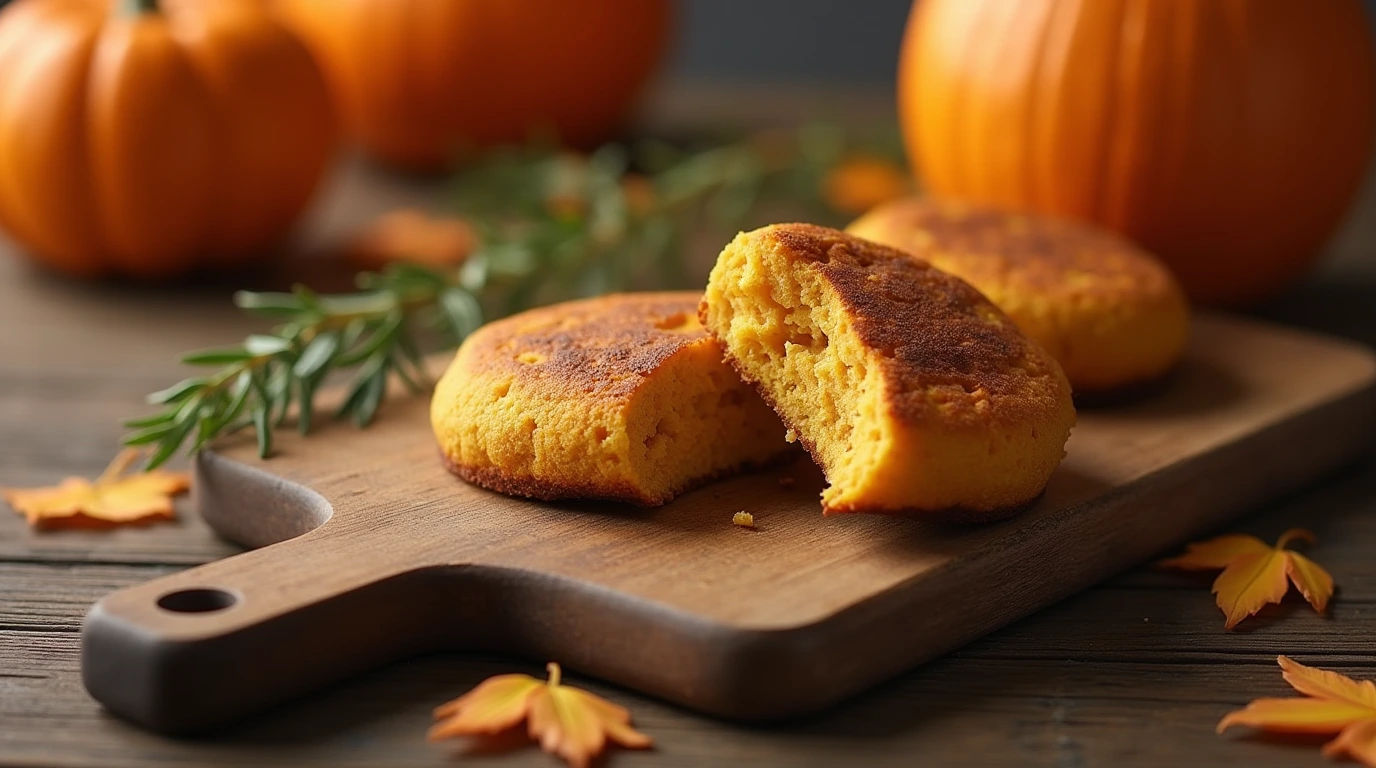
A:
(1086, 682)
(675, 601)
(1009, 699)
(959, 711)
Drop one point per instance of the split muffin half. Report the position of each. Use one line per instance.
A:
(621, 397)
(909, 388)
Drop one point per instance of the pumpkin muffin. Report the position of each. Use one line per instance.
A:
(1108, 311)
(621, 397)
(911, 390)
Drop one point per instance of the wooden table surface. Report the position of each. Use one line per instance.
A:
(1136, 671)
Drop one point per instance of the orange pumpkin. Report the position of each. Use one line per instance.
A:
(1227, 136)
(420, 79)
(146, 141)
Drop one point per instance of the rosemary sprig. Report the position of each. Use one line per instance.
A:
(552, 226)
(257, 381)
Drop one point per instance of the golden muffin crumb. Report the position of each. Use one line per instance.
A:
(621, 397)
(909, 389)
(1110, 313)
(743, 519)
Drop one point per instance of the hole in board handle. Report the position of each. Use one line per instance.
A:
(197, 600)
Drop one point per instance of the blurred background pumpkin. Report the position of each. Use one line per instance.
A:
(419, 80)
(1228, 136)
(152, 137)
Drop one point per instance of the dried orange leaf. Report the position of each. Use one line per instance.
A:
(568, 722)
(1296, 715)
(1335, 704)
(115, 498)
(412, 236)
(1248, 583)
(497, 704)
(1255, 574)
(860, 182)
(1323, 684)
(1357, 741)
(1216, 553)
(1311, 580)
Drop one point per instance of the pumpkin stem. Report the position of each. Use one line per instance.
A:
(140, 7)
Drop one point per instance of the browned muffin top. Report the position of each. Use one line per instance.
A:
(944, 346)
(992, 246)
(603, 346)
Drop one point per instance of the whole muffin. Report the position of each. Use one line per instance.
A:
(621, 397)
(909, 388)
(1109, 312)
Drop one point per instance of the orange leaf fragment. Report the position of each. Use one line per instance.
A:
(116, 497)
(412, 236)
(1334, 704)
(860, 182)
(1255, 574)
(568, 722)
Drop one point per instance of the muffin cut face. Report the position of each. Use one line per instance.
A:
(1110, 313)
(621, 397)
(906, 385)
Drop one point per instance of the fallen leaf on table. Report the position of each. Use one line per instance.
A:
(1255, 573)
(116, 497)
(1332, 704)
(568, 722)
(412, 236)
(861, 182)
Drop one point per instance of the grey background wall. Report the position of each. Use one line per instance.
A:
(834, 41)
(846, 41)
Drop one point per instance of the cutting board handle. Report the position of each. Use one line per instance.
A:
(210, 644)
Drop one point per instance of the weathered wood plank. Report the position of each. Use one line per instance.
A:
(185, 541)
(957, 711)
(44, 597)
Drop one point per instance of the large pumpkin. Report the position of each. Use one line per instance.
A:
(147, 141)
(421, 79)
(1228, 136)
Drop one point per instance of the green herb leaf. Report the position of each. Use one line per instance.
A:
(177, 392)
(262, 424)
(151, 434)
(222, 356)
(161, 417)
(170, 442)
(269, 304)
(261, 345)
(316, 355)
(462, 310)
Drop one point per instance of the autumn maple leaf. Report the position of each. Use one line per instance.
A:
(1333, 703)
(568, 722)
(1256, 574)
(114, 498)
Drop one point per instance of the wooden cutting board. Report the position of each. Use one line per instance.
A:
(371, 551)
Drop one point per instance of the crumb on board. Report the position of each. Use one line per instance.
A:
(787, 481)
(791, 436)
(743, 519)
